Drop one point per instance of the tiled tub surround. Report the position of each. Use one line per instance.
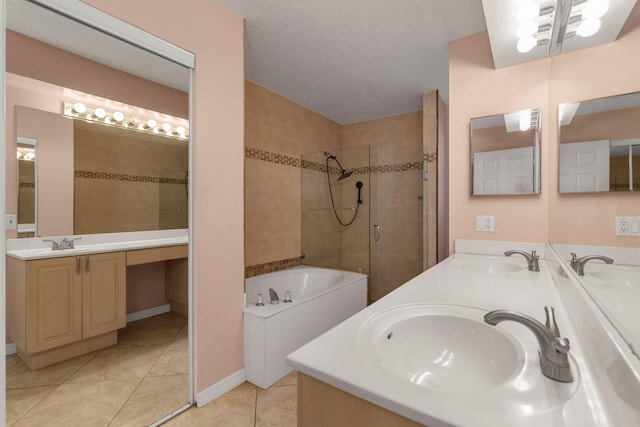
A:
(593, 399)
(321, 299)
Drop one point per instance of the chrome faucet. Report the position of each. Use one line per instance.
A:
(273, 296)
(64, 243)
(553, 353)
(532, 259)
(578, 263)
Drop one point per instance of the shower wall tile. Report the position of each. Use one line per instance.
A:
(277, 133)
(402, 129)
(275, 123)
(272, 212)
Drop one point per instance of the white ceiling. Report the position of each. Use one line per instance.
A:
(354, 60)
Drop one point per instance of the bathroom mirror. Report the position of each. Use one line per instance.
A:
(599, 145)
(52, 58)
(76, 192)
(505, 154)
(27, 195)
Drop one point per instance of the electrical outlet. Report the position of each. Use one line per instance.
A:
(10, 222)
(484, 223)
(628, 226)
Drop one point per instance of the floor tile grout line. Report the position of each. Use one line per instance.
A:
(126, 401)
(255, 409)
(55, 387)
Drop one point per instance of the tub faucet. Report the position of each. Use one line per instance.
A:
(553, 353)
(532, 259)
(273, 296)
(578, 263)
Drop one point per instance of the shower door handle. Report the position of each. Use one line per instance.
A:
(376, 232)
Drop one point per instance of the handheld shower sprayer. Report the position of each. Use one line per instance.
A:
(359, 186)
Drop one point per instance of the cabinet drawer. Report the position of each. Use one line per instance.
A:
(144, 256)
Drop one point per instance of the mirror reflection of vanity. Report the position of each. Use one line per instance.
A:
(599, 144)
(505, 153)
(124, 192)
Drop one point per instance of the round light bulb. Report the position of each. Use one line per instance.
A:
(181, 130)
(526, 44)
(19, 154)
(588, 27)
(526, 29)
(118, 116)
(100, 113)
(79, 107)
(595, 9)
(528, 11)
(166, 127)
(151, 123)
(29, 156)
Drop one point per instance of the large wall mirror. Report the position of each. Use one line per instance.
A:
(505, 154)
(119, 162)
(599, 143)
(97, 141)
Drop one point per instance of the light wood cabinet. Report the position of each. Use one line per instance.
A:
(104, 299)
(67, 306)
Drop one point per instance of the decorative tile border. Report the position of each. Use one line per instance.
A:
(282, 159)
(267, 156)
(27, 185)
(430, 157)
(127, 177)
(270, 267)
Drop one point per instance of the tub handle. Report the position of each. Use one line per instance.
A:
(376, 232)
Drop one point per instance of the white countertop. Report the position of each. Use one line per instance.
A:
(37, 248)
(336, 358)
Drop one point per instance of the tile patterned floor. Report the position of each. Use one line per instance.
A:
(136, 382)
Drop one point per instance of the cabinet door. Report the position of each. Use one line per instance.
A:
(54, 303)
(103, 293)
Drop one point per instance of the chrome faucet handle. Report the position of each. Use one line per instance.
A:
(532, 259)
(551, 321)
(54, 244)
(578, 263)
(554, 360)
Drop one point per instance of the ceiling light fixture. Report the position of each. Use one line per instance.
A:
(134, 119)
(541, 22)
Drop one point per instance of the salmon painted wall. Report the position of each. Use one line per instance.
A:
(477, 89)
(216, 36)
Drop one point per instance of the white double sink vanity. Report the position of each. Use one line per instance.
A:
(64, 303)
(424, 354)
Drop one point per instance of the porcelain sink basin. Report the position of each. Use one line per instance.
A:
(619, 278)
(492, 266)
(441, 347)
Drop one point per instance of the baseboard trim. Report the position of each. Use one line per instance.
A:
(221, 387)
(149, 312)
(11, 349)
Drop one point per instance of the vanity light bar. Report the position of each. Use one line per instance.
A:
(171, 127)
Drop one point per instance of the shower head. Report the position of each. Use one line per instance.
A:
(344, 175)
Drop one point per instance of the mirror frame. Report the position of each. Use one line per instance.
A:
(110, 25)
(535, 126)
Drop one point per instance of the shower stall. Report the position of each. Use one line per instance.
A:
(362, 210)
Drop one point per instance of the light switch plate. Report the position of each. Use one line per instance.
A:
(484, 223)
(10, 222)
(628, 226)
